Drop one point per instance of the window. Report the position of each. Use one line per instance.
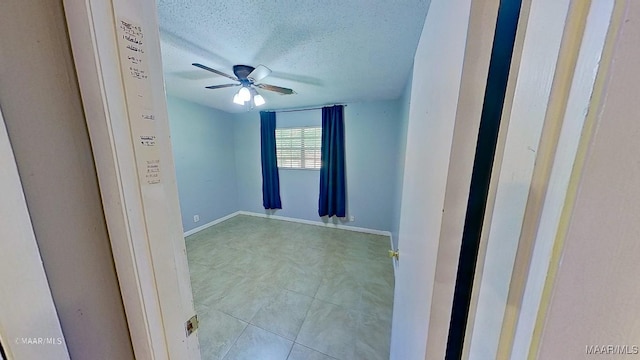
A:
(298, 148)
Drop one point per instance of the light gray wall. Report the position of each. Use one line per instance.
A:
(403, 122)
(372, 140)
(43, 112)
(247, 155)
(203, 148)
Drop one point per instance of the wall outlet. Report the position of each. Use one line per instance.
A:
(196, 218)
(352, 218)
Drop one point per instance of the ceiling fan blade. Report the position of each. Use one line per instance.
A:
(259, 73)
(215, 71)
(278, 89)
(221, 86)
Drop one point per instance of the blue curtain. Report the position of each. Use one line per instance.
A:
(270, 178)
(332, 200)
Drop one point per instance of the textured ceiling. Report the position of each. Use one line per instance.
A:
(332, 51)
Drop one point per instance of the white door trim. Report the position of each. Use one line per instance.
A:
(531, 268)
(511, 177)
(29, 324)
(535, 187)
(143, 220)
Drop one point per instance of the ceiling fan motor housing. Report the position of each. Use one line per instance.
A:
(241, 72)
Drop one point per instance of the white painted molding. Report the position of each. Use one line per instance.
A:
(318, 223)
(583, 89)
(210, 224)
(153, 274)
(330, 225)
(290, 219)
(301, 221)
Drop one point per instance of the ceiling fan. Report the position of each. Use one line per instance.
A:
(247, 77)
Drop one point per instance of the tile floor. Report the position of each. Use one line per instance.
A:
(277, 290)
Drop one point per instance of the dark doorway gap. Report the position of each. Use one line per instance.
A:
(495, 90)
(3, 354)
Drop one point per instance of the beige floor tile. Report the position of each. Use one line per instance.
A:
(372, 338)
(207, 235)
(244, 299)
(340, 289)
(217, 333)
(330, 289)
(300, 352)
(283, 314)
(299, 279)
(213, 286)
(200, 251)
(330, 329)
(258, 344)
(377, 298)
(198, 272)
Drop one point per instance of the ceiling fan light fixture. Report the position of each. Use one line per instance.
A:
(244, 94)
(258, 100)
(246, 77)
(237, 99)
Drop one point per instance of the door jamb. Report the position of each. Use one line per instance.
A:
(522, 263)
(596, 98)
(147, 241)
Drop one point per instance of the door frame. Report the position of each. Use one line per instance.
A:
(475, 69)
(151, 265)
(581, 63)
(143, 219)
(584, 99)
(29, 323)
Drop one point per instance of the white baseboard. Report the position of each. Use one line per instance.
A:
(301, 221)
(318, 223)
(209, 224)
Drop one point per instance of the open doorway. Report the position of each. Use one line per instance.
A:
(289, 282)
(147, 240)
(148, 222)
(272, 278)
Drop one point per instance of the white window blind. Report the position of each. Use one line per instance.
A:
(299, 147)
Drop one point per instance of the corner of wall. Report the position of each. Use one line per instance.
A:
(200, 137)
(405, 101)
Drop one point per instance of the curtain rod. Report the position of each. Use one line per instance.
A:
(307, 109)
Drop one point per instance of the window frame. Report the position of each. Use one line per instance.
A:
(302, 148)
